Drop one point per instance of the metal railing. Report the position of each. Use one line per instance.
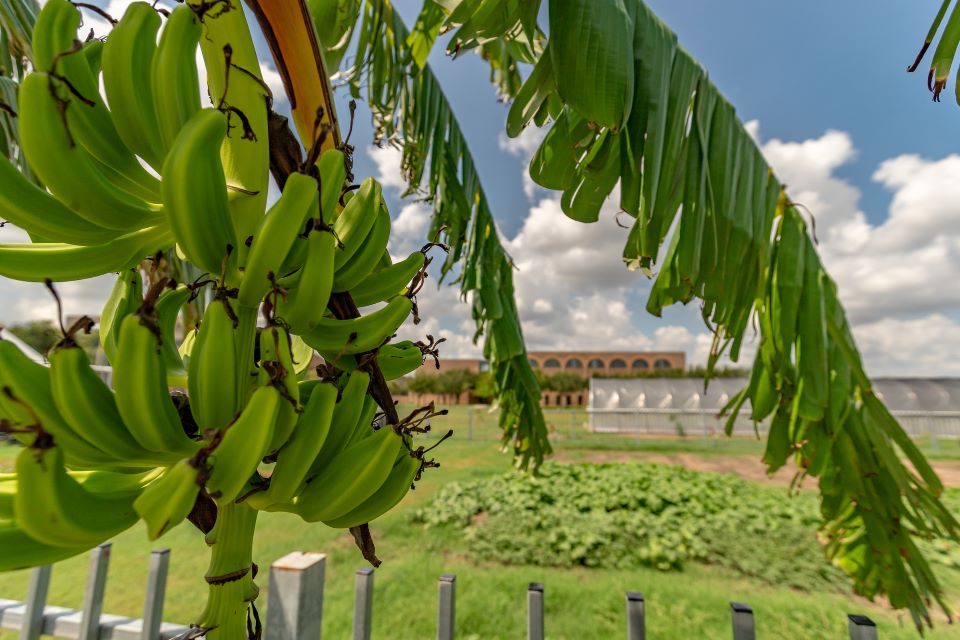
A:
(294, 607)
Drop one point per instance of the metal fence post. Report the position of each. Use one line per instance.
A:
(363, 604)
(743, 627)
(36, 601)
(636, 626)
(295, 601)
(446, 606)
(535, 611)
(861, 627)
(156, 591)
(93, 596)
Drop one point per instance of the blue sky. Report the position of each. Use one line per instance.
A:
(856, 138)
(798, 68)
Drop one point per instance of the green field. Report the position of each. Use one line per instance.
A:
(580, 602)
(569, 430)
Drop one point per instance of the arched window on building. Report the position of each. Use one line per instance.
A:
(640, 363)
(534, 363)
(596, 363)
(574, 363)
(661, 363)
(617, 363)
(551, 363)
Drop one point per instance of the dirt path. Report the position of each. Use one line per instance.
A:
(748, 467)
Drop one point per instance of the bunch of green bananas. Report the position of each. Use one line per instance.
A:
(142, 171)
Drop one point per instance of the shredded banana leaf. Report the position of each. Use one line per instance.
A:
(410, 109)
(17, 18)
(742, 248)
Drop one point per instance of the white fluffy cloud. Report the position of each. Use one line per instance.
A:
(896, 276)
(886, 268)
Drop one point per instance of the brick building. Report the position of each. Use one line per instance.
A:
(583, 363)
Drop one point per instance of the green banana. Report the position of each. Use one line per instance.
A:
(276, 367)
(88, 406)
(350, 479)
(195, 194)
(393, 490)
(302, 355)
(273, 239)
(125, 298)
(346, 415)
(65, 262)
(333, 336)
(296, 456)
(20, 551)
(239, 87)
(105, 484)
(29, 207)
(212, 380)
(176, 84)
(365, 259)
(387, 282)
(55, 509)
(93, 52)
(244, 443)
(168, 501)
(128, 81)
(364, 426)
(168, 312)
(65, 167)
(355, 221)
(333, 172)
(304, 306)
(140, 381)
(305, 389)
(8, 489)
(399, 359)
(395, 359)
(28, 402)
(54, 51)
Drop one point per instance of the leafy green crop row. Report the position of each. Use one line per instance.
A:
(627, 515)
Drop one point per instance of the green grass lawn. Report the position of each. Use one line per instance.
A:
(580, 603)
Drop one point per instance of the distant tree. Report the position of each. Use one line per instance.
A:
(399, 387)
(483, 386)
(422, 383)
(42, 335)
(38, 334)
(456, 382)
(565, 381)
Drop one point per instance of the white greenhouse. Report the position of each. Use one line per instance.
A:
(680, 406)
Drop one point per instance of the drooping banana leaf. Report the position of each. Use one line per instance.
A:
(945, 51)
(17, 18)
(410, 109)
(742, 248)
